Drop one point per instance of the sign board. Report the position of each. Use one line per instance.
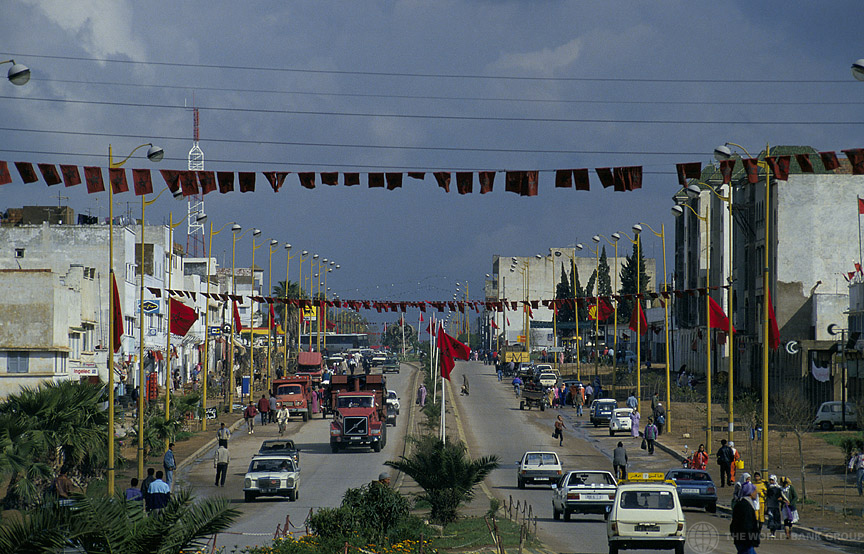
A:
(214, 331)
(555, 349)
(150, 306)
(310, 313)
(86, 371)
(520, 338)
(516, 357)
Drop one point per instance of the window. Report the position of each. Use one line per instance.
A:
(647, 500)
(17, 362)
(19, 252)
(74, 346)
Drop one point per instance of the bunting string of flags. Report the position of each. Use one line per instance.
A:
(523, 182)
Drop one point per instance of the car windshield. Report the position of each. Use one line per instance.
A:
(355, 402)
(647, 500)
(689, 476)
(392, 394)
(590, 479)
(271, 465)
(541, 458)
(277, 446)
(289, 389)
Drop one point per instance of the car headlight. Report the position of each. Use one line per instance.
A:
(375, 431)
(289, 483)
(247, 483)
(335, 431)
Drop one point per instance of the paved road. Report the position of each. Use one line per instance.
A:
(493, 424)
(324, 476)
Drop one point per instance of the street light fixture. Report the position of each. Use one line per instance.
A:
(19, 74)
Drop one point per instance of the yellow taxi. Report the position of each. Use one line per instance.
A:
(646, 513)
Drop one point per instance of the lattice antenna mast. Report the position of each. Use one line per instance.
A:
(195, 203)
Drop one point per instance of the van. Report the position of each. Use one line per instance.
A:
(830, 414)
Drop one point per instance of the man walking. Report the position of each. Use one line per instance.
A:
(725, 457)
(632, 402)
(264, 409)
(169, 465)
(223, 434)
(660, 417)
(159, 493)
(274, 405)
(220, 462)
(249, 416)
(856, 464)
(650, 435)
(145, 487)
(619, 461)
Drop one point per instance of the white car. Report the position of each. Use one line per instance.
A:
(393, 400)
(272, 475)
(534, 467)
(584, 492)
(620, 421)
(646, 514)
(547, 379)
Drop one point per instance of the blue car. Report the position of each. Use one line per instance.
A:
(601, 411)
(695, 488)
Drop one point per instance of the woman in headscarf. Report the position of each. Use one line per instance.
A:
(635, 416)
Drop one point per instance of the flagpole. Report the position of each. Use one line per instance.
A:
(443, 427)
(859, 229)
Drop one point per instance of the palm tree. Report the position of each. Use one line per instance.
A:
(100, 524)
(287, 318)
(445, 473)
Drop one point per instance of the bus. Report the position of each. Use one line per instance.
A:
(336, 342)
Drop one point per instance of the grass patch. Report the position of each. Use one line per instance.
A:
(473, 533)
(835, 438)
(184, 436)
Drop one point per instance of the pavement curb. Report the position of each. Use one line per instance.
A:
(827, 537)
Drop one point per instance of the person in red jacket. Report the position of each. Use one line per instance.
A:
(264, 409)
(249, 416)
(699, 459)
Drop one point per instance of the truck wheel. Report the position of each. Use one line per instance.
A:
(249, 496)
(613, 549)
(555, 513)
(334, 448)
(679, 548)
(521, 404)
(292, 495)
(376, 446)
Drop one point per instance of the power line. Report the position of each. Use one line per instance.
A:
(436, 117)
(422, 75)
(451, 98)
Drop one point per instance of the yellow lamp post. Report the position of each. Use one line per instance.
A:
(285, 329)
(333, 266)
(154, 154)
(637, 241)
(662, 236)
(207, 322)
(171, 226)
(615, 237)
(141, 376)
(234, 230)
(255, 233)
(596, 239)
(576, 248)
(678, 210)
(523, 268)
(317, 265)
(274, 244)
(299, 309)
(724, 153)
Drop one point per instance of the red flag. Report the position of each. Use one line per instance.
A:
(117, 177)
(829, 160)
(246, 180)
(421, 317)
(277, 179)
(226, 181)
(779, 166)
(464, 182)
(494, 325)
(117, 316)
(394, 180)
(638, 318)
(857, 267)
(50, 174)
(140, 181)
(238, 327)
(751, 167)
(804, 163)
(860, 206)
(487, 181)
(93, 176)
(564, 178)
(603, 307)
(580, 179)
(26, 171)
(206, 179)
(450, 348)
(691, 170)
(182, 317)
(272, 317)
(352, 179)
(717, 317)
(5, 177)
(726, 168)
(443, 179)
(375, 180)
(773, 330)
(330, 178)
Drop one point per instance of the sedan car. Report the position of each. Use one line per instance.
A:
(695, 488)
(393, 399)
(601, 411)
(391, 364)
(585, 492)
(538, 467)
(272, 475)
(280, 446)
(620, 421)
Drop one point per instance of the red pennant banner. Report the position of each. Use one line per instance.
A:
(330, 178)
(465, 182)
(226, 181)
(49, 174)
(394, 181)
(141, 182)
(375, 180)
(26, 171)
(207, 181)
(804, 163)
(117, 177)
(829, 160)
(246, 180)
(5, 177)
(277, 179)
(182, 317)
(443, 180)
(93, 176)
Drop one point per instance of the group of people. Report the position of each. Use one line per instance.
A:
(154, 491)
(756, 503)
(271, 411)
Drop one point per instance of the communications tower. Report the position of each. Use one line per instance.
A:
(195, 203)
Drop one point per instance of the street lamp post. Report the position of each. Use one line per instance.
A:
(234, 230)
(285, 329)
(678, 210)
(18, 74)
(724, 153)
(255, 233)
(596, 239)
(207, 323)
(272, 248)
(637, 241)
(662, 236)
(154, 154)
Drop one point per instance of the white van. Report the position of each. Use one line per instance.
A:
(830, 414)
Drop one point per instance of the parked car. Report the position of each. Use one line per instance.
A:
(646, 515)
(620, 421)
(272, 475)
(280, 446)
(601, 411)
(695, 488)
(538, 467)
(584, 492)
(830, 414)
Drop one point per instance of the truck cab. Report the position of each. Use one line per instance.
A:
(294, 393)
(360, 412)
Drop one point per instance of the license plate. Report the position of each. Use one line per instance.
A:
(595, 497)
(644, 527)
(689, 491)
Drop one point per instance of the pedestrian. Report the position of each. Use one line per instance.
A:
(773, 503)
(589, 394)
(660, 417)
(500, 373)
(559, 430)
(650, 435)
(282, 416)
(632, 402)
(789, 511)
(220, 461)
(223, 434)
(274, 405)
(744, 527)
(655, 400)
(63, 486)
(580, 400)
(635, 419)
(249, 416)
(736, 460)
(725, 457)
(133, 492)
(169, 465)
(700, 459)
(145, 487)
(856, 464)
(517, 385)
(619, 461)
(383, 479)
(316, 405)
(737, 494)
(159, 492)
(421, 395)
(762, 489)
(264, 409)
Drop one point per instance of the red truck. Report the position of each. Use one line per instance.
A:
(294, 393)
(360, 411)
(311, 364)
